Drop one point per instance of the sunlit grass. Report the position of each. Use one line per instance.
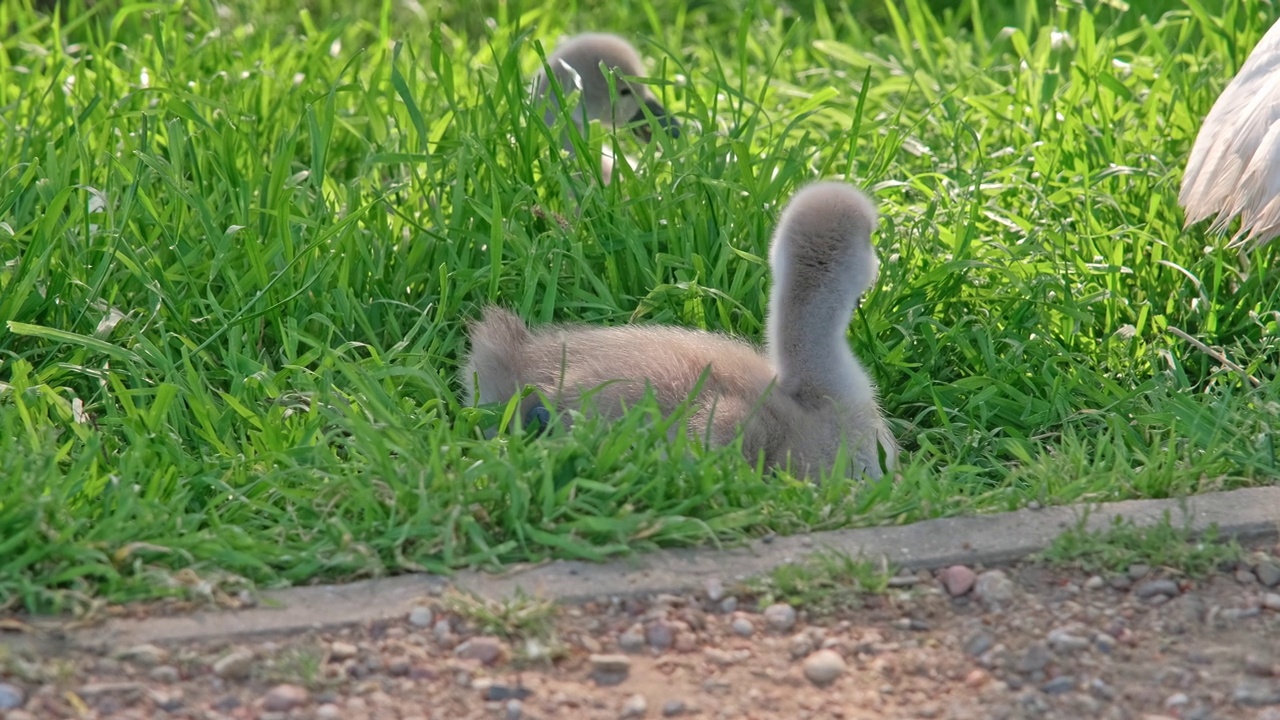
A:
(239, 243)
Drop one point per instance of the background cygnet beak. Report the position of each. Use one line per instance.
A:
(642, 128)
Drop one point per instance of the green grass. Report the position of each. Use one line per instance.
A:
(825, 583)
(239, 243)
(1161, 545)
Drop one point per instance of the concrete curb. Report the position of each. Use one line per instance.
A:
(1250, 513)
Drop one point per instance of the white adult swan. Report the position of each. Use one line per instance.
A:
(1234, 167)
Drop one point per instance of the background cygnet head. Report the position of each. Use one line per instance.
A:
(577, 63)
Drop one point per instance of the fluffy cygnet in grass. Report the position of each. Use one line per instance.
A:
(798, 400)
(577, 65)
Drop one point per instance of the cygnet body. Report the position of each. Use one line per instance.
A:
(577, 65)
(798, 401)
(1234, 166)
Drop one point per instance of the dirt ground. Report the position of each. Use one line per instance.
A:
(1025, 641)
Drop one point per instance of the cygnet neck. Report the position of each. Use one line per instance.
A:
(806, 339)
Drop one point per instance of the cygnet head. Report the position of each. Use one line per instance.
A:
(822, 244)
(577, 63)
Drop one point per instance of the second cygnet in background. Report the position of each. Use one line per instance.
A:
(578, 64)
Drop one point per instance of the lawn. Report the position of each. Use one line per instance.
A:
(239, 243)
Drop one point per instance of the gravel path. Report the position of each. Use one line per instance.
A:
(1025, 641)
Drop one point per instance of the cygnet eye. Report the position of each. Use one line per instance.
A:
(624, 91)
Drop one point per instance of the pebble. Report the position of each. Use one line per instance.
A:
(11, 696)
(958, 580)
(1237, 614)
(634, 706)
(1137, 571)
(1256, 693)
(169, 701)
(167, 674)
(1245, 576)
(1271, 601)
(742, 626)
(672, 708)
(715, 589)
(283, 698)
(1176, 700)
(686, 641)
(486, 649)
(660, 634)
(1120, 582)
(801, 644)
(1062, 641)
(1036, 658)
(1059, 685)
(1259, 666)
(1268, 573)
(1152, 588)
(328, 711)
(422, 616)
(342, 651)
(147, 655)
(728, 605)
(823, 667)
(632, 640)
(1095, 582)
(442, 632)
(609, 670)
(514, 709)
(993, 588)
(979, 643)
(235, 665)
(781, 617)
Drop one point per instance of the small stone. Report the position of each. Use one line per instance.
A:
(1256, 693)
(169, 701)
(1176, 700)
(1101, 690)
(235, 665)
(673, 708)
(979, 643)
(146, 655)
(1120, 582)
(958, 580)
(340, 651)
(1245, 576)
(498, 693)
(488, 650)
(1095, 582)
(801, 644)
(1271, 601)
(660, 635)
(1238, 614)
(11, 696)
(1258, 666)
(1059, 685)
(725, 658)
(443, 633)
(1062, 641)
(1268, 573)
(328, 711)
(715, 589)
(422, 616)
(780, 617)
(1104, 642)
(993, 588)
(1036, 658)
(608, 670)
(823, 667)
(1152, 588)
(686, 641)
(634, 706)
(514, 710)
(728, 605)
(1137, 571)
(283, 698)
(632, 640)
(167, 674)
(742, 626)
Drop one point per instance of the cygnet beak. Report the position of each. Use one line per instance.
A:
(665, 121)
